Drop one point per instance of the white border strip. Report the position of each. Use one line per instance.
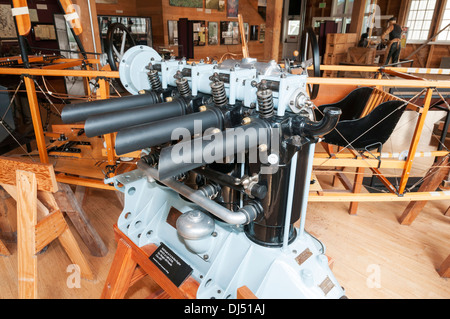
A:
(20, 11)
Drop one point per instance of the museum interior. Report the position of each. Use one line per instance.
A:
(225, 149)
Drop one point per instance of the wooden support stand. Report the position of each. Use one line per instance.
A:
(131, 263)
(71, 203)
(67, 201)
(431, 181)
(32, 186)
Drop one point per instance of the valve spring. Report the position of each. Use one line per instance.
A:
(218, 93)
(265, 103)
(154, 80)
(183, 87)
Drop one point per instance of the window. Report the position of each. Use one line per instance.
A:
(342, 7)
(293, 27)
(445, 35)
(341, 12)
(419, 19)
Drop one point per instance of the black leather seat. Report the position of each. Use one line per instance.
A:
(366, 133)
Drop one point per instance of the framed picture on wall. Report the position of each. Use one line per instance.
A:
(43, 31)
(213, 33)
(199, 33)
(262, 33)
(229, 32)
(232, 8)
(254, 32)
(212, 4)
(107, 1)
(187, 3)
(221, 5)
(173, 32)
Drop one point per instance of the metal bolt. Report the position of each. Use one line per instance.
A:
(246, 120)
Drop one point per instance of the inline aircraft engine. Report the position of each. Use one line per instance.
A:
(223, 179)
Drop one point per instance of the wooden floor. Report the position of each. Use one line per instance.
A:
(374, 256)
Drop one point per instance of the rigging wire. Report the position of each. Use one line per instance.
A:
(7, 128)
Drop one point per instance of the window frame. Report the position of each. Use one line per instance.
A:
(408, 40)
(445, 3)
(434, 27)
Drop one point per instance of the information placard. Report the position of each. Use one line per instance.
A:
(171, 264)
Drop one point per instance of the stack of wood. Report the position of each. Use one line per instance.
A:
(336, 49)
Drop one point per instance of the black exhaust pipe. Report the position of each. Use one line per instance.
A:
(160, 132)
(115, 121)
(79, 112)
(191, 154)
(304, 127)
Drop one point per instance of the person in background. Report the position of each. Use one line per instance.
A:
(394, 31)
(364, 40)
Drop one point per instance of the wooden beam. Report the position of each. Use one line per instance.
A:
(358, 162)
(75, 254)
(274, 11)
(244, 43)
(109, 138)
(431, 182)
(120, 273)
(430, 55)
(36, 118)
(88, 182)
(49, 229)
(63, 65)
(382, 155)
(42, 210)
(357, 186)
(68, 203)
(46, 72)
(415, 141)
(8, 217)
(123, 267)
(245, 293)
(358, 11)
(380, 82)
(26, 242)
(328, 197)
(54, 226)
(403, 12)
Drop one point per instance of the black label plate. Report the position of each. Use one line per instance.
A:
(171, 264)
